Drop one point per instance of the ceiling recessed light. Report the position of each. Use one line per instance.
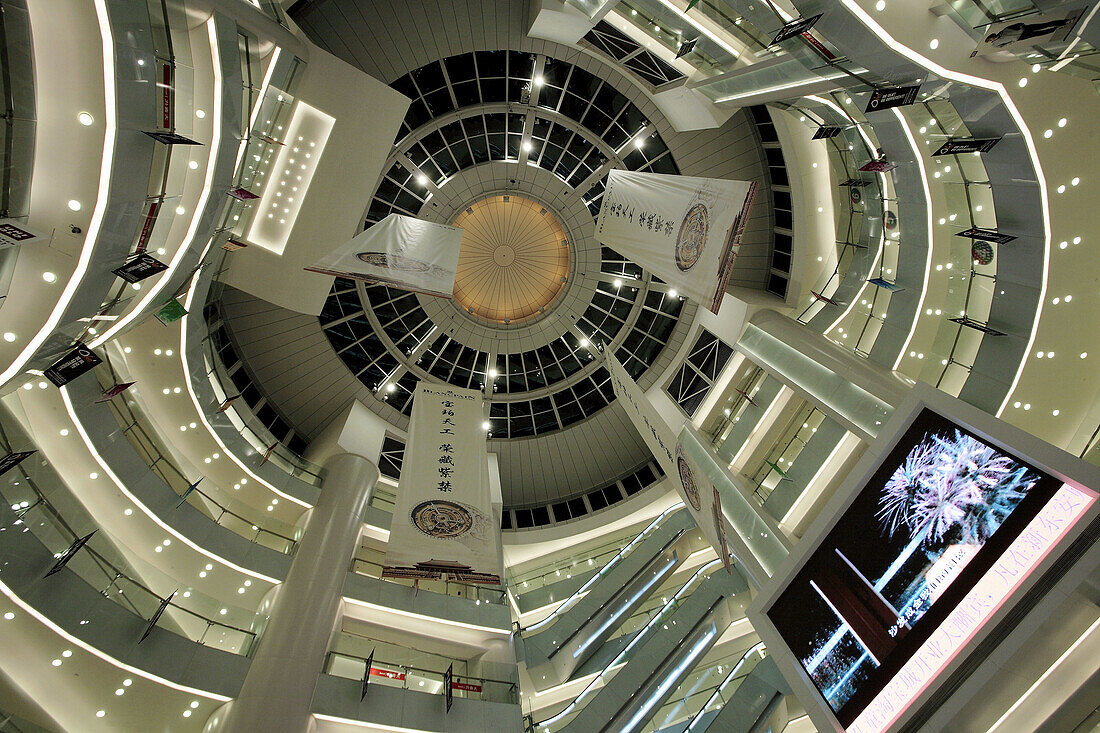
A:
(85, 119)
(74, 205)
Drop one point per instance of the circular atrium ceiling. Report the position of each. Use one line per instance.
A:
(514, 260)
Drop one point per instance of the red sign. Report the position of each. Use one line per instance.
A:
(389, 674)
(166, 96)
(829, 56)
(465, 686)
(147, 227)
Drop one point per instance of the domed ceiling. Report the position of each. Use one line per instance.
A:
(517, 260)
(514, 147)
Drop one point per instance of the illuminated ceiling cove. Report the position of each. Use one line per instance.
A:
(514, 260)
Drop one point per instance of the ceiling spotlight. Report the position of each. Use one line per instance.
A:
(422, 179)
(539, 80)
(528, 145)
(391, 387)
(492, 373)
(486, 425)
(672, 293)
(617, 283)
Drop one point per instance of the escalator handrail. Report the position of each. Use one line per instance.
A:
(672, 602)
(572, 600)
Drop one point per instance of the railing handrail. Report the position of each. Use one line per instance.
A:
(411, 668)
(134, 423)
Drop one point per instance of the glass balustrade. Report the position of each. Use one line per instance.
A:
(208, 498)
(34, 491)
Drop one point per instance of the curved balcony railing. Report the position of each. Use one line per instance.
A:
(242, 519)
(27, 488)
(406, 677)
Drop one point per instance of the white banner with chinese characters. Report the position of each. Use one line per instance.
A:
(443, 522)
(401, 251)
(695, 489)
(683, 229)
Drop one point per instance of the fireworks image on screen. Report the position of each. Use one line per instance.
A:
(937, 509)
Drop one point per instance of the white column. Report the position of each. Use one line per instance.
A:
(278, 688)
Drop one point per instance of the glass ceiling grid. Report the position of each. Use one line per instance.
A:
(595, 120)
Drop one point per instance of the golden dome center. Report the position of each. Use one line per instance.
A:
(514, 261)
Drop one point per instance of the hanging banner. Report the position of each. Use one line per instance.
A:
(12, 460)
(401, 251)
(13, 233)
(972, 145)
(889, 98)
(683, 229)
(697, 492)
(171, 312)
(703, 500)
(448, 685)
(68, 554)
(139, 268)
(72, 365)
(115, 391)
(989, 235)
(795, 28)
(827, 131)
(366, 675)
(443, 521)
(156, 616)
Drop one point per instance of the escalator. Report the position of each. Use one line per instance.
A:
(631, 688)
(557, 646)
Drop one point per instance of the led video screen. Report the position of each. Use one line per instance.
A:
(942, 534)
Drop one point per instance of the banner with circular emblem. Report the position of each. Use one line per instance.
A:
(400, 251)
(443, 521)
(684, 229)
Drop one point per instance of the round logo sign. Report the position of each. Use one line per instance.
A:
(688, 480)
(443, 519)
(982, 252)
(692, 236)
(855, 194)
(394, 262)
(890, 219)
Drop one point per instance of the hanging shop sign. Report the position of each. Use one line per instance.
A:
(971, 145)
(13, 233)
(12, 460)
(78, 361)
(989, 235)
(139, 268)
(889, 98)
(795, 28)
(826, 132)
